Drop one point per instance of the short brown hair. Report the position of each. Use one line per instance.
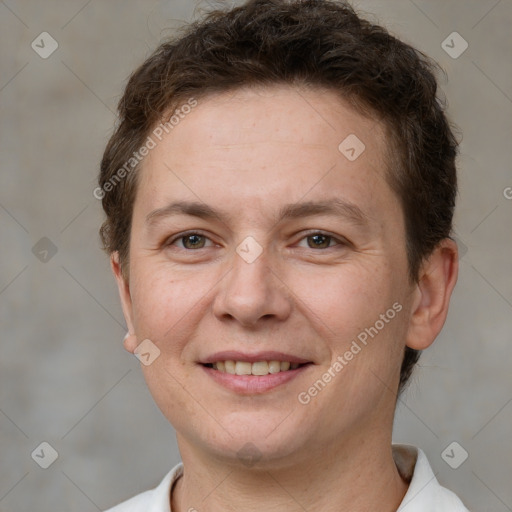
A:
(322, 44)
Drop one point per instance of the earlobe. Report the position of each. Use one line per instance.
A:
(432, 295)
(130, 340)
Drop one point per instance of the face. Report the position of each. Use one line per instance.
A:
(257, 237)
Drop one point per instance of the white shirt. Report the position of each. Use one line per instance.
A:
(424, 493)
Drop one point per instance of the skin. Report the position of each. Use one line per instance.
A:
(248, 153)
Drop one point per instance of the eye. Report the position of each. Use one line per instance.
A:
(190, 241)
(196, 240)
(319, 240)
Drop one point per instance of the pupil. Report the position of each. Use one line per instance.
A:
(320, 240)
(193, 240)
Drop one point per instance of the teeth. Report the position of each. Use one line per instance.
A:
(285, 365)
(275, 366)
(230, 367)
(257, 368)
(242, 368)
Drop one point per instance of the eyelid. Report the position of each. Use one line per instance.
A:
(171, 240)
(339, 239)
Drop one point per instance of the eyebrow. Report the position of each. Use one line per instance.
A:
(338, 207)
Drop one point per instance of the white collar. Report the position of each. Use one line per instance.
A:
(425, 494)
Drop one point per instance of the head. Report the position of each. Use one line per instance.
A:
(264, 117)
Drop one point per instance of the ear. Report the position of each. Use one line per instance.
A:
(437, 278)
(130, 340)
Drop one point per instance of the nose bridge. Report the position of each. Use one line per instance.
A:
(251, 290)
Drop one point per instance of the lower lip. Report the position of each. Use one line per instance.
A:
(253, 384)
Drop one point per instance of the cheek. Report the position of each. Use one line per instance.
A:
(359, 314)
(164, 299)
(346, 299)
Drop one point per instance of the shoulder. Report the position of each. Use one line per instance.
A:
(135, 504)
(425, 493)
(154, 500)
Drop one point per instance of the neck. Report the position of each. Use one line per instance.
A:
(358, 477)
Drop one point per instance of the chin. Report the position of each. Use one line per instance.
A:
(260, 445)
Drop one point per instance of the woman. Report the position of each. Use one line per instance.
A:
(279, 196)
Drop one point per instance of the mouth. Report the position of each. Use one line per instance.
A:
(253, 373)
(257, 368)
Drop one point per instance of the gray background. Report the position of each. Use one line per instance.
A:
(65, 378)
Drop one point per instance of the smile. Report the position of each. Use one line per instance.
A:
(256, 368)
(245, 378)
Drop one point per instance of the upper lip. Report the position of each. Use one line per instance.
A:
(235, 355)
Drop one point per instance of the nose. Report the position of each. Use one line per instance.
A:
(252, 293)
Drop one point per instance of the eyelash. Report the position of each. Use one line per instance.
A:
(307, 235)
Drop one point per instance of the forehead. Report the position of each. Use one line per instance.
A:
(253, 147)
(312, 118)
